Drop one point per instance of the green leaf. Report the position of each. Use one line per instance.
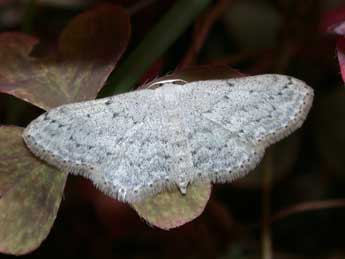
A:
(30, 195)
(88, 49)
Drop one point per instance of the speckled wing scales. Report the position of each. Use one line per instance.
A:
(235, 120)
(137, 144)
(114, 141)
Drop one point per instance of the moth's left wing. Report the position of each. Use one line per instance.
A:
(233, 121)
(262, 109)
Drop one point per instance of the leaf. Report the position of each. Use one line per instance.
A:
(30, 195)
(341, 55)
(333, 21)
(87, 52)
(171, 209)
(30, 190)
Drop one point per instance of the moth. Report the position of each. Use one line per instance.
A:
(137, 144)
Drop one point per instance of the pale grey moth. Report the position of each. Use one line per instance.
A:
(137, 144)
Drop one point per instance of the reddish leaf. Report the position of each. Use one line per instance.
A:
(341, 55)
(30, 195)
(334, 21)
(88, 50)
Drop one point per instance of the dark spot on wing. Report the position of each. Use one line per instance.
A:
(107, 102)
(290, 80)
(230, 84)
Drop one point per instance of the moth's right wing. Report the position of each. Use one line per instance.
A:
(117, 142)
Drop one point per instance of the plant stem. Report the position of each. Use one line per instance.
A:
(266, 239)
(158, 40)
(29, 14)
(201, 32)
(307, 207)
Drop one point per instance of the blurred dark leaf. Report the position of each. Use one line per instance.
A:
(334, 21)
(341, 55)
